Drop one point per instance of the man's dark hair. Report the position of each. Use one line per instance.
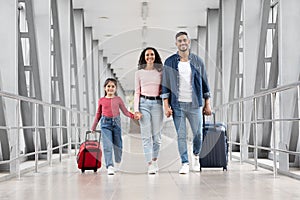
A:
(181, 33)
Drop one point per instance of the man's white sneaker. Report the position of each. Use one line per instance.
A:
(110, 170)
(196, 163)
(117, 167)
(151, 169)
(185, 169)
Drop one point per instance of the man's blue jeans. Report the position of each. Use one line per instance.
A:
(194, 115)
(151, 126)
(111, 139)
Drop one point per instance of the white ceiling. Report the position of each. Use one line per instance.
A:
(118, 26)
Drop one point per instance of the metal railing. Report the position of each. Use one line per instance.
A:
(14, 131)
(225, 111)
(18, 158)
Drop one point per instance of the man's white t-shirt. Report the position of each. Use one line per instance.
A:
(185, 83)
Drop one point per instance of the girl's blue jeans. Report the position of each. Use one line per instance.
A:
(111, 139)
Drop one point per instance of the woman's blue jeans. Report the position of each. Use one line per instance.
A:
(151, 126)
(194, 115)
(111, 139)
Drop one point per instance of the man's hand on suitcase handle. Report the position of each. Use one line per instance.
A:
(207, 108)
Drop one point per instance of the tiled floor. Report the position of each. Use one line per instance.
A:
(64, 181)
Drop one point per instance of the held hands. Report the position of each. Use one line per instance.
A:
(168, 111)
(138, 115)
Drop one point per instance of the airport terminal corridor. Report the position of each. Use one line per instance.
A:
(64, 64)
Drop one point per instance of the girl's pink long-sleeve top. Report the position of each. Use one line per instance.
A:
(110, 107)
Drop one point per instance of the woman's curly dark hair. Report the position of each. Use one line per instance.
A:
(157, 62)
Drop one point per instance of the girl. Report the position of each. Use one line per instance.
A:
(109, 110)
(148, 104)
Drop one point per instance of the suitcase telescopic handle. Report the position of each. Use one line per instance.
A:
(214, 118)
(90, 132)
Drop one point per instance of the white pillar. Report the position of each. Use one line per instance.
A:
(211, 41)
(9, 68)
(252, 22)
(78, 27)
(251, 14)
(9, 46)
(65, 41)
(101, 74)
(90, 66)
(201, 38)
(96, 69)
(289, 70)
(41, 11)
(228, 17)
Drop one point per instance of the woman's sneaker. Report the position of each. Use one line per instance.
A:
(155, 164)
(185, 168)
(152, 169)
(110, 170)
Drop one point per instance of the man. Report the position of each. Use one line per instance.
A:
(184, 86)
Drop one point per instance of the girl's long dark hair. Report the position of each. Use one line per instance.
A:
(157, 62)
(110, 80)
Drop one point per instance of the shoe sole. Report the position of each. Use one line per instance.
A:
(184, 172)
(152, 172)
(110, 173)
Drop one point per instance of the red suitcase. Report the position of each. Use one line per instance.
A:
(90, 153)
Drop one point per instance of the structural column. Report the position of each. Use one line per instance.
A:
(81, 60)
(90, 67)
(211, 45)
(289, 69)
(100, 79)
(8, 81)
(201, 38)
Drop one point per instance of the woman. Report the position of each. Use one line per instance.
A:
(148, 104)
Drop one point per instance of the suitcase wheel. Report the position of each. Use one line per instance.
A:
(95, 170)
(225, 169)
(82, 170)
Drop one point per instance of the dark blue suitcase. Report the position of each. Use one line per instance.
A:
(214, 151)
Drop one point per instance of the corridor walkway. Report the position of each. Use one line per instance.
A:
(63, 181)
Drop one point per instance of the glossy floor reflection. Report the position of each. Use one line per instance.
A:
(63, 181)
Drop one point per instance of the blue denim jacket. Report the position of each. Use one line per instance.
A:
(170, 80)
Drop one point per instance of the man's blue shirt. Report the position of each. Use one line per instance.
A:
(170, 80)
